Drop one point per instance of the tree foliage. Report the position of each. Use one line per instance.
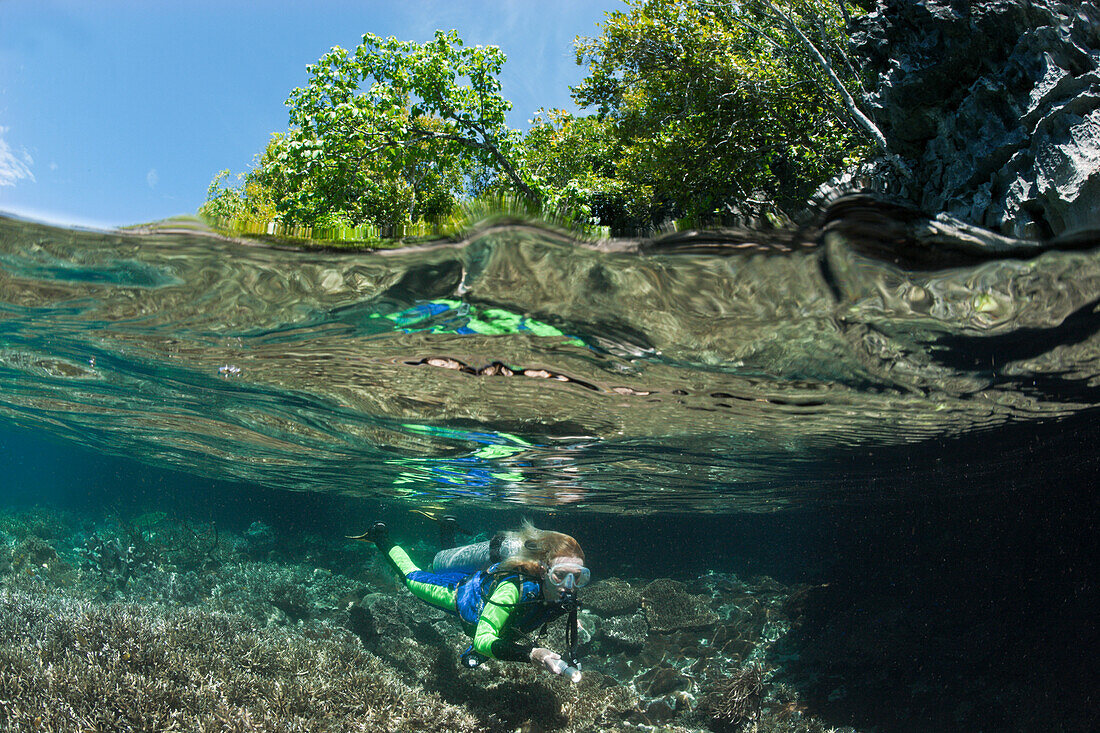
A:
(401, 115)
(251, 201)
(573, 159)
(391, 132)
(720, 103)
(701, 108)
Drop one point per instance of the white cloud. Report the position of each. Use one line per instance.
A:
(13, 167)
(151, 178)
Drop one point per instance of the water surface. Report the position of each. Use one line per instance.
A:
(743, 371)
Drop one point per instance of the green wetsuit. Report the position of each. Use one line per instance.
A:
(492, 637)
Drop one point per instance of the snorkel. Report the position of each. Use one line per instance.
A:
(569, 600)
(567, 583)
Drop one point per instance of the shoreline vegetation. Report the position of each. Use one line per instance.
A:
(468, 216)
(699, 114)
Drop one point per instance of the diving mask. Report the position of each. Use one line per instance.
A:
(569, 575)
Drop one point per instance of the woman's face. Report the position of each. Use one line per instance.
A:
(561, 567)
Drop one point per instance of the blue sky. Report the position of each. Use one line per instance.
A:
(116, 113)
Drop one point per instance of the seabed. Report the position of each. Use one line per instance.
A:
(156, 622)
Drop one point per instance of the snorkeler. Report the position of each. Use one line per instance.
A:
(502, 590)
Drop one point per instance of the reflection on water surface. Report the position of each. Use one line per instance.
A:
(746, 371)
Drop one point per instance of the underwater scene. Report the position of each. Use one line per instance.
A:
(835, 477)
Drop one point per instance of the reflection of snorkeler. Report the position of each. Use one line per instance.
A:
(502, 590)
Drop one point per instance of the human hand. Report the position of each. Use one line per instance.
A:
(554, 663)
(547, 658)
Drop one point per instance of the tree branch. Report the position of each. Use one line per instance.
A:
(844, 13)
(850, 104)
(486, 145)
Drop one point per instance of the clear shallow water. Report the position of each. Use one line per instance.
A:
(747, 372)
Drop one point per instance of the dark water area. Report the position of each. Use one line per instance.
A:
(866, 451)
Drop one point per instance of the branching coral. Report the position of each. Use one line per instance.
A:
(668, 606)
(68, 665)
(737, 698)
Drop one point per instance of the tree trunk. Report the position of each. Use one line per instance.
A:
(850, 104)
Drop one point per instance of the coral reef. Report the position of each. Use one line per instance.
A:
(154, 622)
(242, 625)
(612, 597)
(668, 607)
(73, 665)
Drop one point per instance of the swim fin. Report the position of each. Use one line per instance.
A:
(378, 534)
(448, 528)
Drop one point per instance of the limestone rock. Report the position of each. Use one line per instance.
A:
(991, 109)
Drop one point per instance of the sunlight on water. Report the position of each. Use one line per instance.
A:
(521, 366)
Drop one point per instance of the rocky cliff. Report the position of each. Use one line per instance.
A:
(991, 109)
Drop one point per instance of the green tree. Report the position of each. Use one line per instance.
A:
(398, 120)
(250, 201)
(574, 160)
(719, 104)
(339, 190)
(390, 132)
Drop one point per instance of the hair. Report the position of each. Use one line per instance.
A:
(539, 549)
